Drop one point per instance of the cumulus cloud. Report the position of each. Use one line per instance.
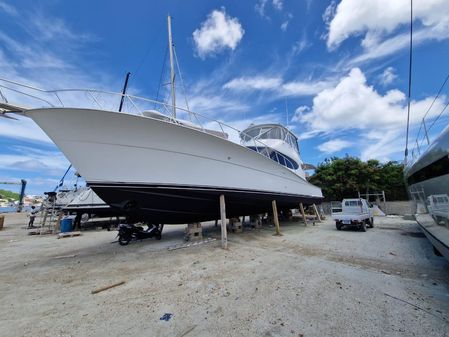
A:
(373, 19)
(353, 104)
(333, 146)
(217, 33)
(388, 76)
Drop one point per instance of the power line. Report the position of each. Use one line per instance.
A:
(409, 80)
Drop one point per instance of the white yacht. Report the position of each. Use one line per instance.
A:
(427, 180)
(160, 168)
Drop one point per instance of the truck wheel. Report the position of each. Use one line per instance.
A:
(338, 225)
(363, 227)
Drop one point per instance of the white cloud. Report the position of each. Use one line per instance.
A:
(299, 112)
(260, 6)
(23, 128)
(400, 41)
(388, 76)
(333, 146)
(301, 45)
(217, 33)
(377, 18)
(31, 159)
(353, 104)
(213, 105)
(254, 83)
(264, 83)
(284, 24)
(304, 88)
(8, 9)
(278, 4)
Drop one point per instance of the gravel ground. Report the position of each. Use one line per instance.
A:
(312, 281)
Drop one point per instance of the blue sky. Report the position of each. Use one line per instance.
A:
(338, 67)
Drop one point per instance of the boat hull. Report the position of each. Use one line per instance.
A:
(185, 204)
(428, 185)
(167, 173)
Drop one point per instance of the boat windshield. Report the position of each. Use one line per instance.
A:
(270, 132)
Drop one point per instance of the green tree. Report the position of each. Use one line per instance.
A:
(4, 194)
(343, 177)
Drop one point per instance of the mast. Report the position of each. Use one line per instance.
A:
(172, 67)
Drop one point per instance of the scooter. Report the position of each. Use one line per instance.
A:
(128, 232)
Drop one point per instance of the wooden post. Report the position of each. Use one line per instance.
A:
(58, 223)
(224, 234)
(301, 208)
(316, 213)
(275, 217)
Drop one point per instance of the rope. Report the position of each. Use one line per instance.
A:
(182, 81)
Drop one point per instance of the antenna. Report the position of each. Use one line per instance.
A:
(286, 110)
(409, 83)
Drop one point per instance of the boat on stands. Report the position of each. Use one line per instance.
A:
(427, 180)
(170, 165)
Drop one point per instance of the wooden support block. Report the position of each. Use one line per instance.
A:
(224, 233)
(194, 231)
(301, 208)
(68, 234)
(317, 213)
(256, 221)
(235, 225)
(275, 217)
(58, 222)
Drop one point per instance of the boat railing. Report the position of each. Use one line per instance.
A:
(431, 124)
(34, 97)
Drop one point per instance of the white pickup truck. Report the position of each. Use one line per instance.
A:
(353, 212)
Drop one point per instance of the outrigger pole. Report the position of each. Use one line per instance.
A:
(124, 91)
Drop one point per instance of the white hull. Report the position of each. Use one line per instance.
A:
(428, 178)
(112, 149)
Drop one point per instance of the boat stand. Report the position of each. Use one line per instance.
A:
(224, 233)
(276, 218)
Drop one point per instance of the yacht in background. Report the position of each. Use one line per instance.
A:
(427, 180)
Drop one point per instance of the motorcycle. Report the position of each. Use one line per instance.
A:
(128, 232)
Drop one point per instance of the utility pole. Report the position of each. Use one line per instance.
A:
(172, 67)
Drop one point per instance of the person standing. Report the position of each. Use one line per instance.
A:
(32, 217)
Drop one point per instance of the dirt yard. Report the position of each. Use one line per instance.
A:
(312, 281)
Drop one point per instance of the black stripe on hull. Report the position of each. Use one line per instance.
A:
(186, 204)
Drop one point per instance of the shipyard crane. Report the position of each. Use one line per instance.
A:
(22, 182)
